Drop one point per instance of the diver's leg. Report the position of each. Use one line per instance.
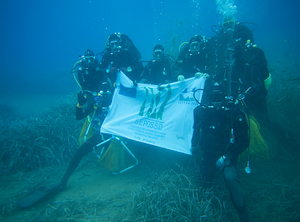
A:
(236, 193)
(208, 169)
(84, 149)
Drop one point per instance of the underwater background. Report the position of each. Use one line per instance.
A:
(40, 41)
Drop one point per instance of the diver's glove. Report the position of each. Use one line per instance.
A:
(81, 99)
(124, 70)
(222, 162)
(129, 69)
(113, 71)
(180, 78)
(201, 74)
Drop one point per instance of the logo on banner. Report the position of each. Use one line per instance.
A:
(187, 96)
(127, 91)
(155, 110)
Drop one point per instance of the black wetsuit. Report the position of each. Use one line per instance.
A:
(248, 75)
(123, 59)
(158, 71)
(212, 132)
(188, 63)
(242, 65)
(91, 77)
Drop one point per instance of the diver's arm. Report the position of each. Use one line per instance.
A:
(263, 65)
(145, 76)
(261, 74)
(132, 64)
(82, 113)
(138, 67)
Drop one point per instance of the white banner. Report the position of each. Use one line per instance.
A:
(162, 118)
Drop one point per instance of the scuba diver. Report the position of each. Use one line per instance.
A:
(241, 65)
(194, 59)
(121, 54)
(93, 105)
(90, 73)
(221, 134)
(250, 77)
(231, 33)
(159, 69)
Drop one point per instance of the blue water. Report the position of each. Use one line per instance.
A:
(41, 40)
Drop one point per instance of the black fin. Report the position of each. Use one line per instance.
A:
(40, 195)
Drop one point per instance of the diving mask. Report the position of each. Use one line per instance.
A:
(228, 25)
(195, 46)
(217, 95)
(115, 46)
(89, 60)
(158, 54)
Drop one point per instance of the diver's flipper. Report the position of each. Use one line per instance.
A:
(40, 195)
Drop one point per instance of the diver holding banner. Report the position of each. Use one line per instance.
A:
(93, 104)
(160, 117)
(221, 134)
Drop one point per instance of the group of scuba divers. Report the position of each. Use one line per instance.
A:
(237, 81)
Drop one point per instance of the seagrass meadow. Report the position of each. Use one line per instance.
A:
(44, 44)
(165, 186)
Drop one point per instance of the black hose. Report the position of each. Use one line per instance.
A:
(213, 26)
(195, 96)
(252, 23)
